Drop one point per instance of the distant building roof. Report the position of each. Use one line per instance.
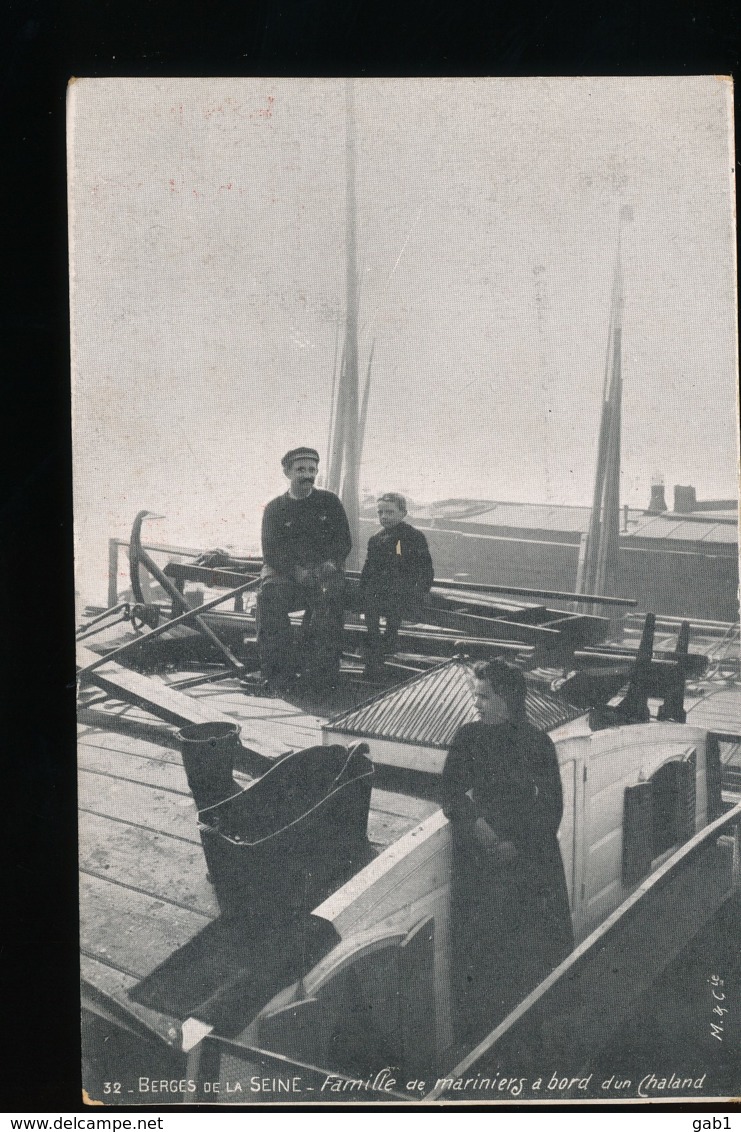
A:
(460, 508)
(536, 516)
(474, 515)
(429, 709)
(702, 526)
(680, 528)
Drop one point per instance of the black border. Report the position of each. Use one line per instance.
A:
(44, 43)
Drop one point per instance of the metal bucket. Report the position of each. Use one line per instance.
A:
(208, 751)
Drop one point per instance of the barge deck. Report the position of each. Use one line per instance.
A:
(144, 890)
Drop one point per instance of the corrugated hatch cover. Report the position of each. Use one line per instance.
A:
(428, 710)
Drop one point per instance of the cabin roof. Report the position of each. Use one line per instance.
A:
(429, 709)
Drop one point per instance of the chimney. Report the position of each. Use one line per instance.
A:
(685, 500)
(657, 506)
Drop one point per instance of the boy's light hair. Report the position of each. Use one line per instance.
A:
(397, 500)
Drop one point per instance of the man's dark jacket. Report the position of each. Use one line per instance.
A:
(305, 532)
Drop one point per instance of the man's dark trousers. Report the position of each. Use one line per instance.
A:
(280, 660)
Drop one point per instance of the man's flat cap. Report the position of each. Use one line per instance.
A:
(299, 454)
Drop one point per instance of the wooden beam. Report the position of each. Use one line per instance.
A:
(149, 693)
(478, 605)
(487, 588)
(429, 643)
(217, 577)
(184, 618)
(492, 628)
(580, 629)
(179, 602)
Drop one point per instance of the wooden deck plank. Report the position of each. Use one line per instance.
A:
(136, 768)
(116, 984)
(164, 774)
(402, 804)
(131, 931)
(719, 712)
(301, 720)
(118, 741)
(257, 706)
(107, 979)
(160, 767)
(150, 730)
(727, 704)
(252, 707)
(269, 738)
(257, 734)
(162, 811)
(296, 736)
(151, 862)
(113, 707)
(173, 813)
(256, 716)
(384, 829)
(272, 738)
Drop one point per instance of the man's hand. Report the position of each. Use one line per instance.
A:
(326, 571)
(301, 575)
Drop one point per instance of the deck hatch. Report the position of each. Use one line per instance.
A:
(429, 709)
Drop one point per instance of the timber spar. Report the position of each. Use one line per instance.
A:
(597, 566)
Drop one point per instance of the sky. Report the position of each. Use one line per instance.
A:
(207, 262)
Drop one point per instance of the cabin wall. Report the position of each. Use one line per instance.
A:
(619, 759)
(408, 883)
(701, 581)
(572, 752)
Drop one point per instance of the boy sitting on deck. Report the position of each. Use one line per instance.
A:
(397, 574)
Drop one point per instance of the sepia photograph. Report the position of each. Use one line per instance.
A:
(405, 447)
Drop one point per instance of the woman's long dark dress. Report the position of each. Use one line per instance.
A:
(511, 923)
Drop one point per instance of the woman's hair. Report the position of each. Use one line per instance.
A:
(506, 681)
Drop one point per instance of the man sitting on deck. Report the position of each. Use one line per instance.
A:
(398, 572)
(305, 541)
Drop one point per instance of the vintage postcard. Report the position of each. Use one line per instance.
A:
(406, 517)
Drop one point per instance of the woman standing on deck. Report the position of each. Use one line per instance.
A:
(501, 790)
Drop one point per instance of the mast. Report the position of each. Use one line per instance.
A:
(347, 423)
(588, 563)
(349, 378)
(606, 572)
(364, 405)
(598, 573)
(337, 442)
(332, 402)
